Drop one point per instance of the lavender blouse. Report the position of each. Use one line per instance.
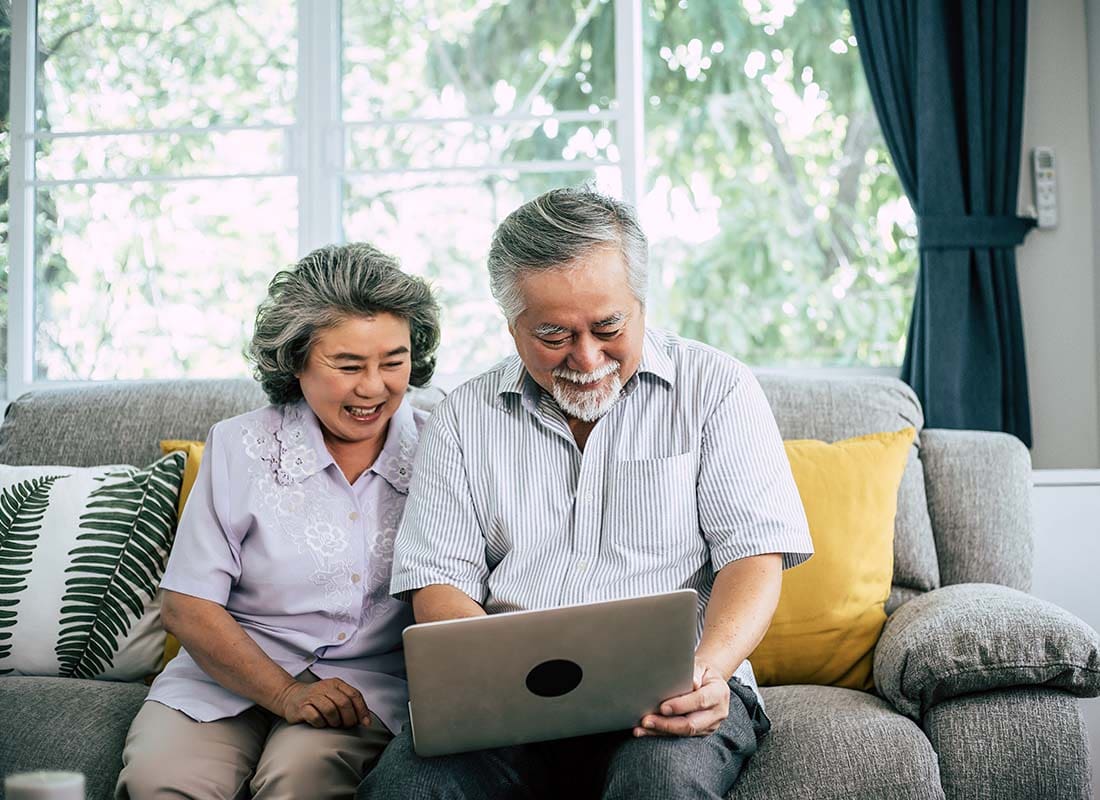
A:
(300, 558)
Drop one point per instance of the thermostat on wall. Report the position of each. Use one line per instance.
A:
(1044, 186)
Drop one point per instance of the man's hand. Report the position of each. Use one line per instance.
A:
(697, 713)
(330, 703)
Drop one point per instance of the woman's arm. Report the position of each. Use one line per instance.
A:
(229, 655)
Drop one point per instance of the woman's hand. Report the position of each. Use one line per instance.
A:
(328, 703)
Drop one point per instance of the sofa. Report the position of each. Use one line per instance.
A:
(977, 682)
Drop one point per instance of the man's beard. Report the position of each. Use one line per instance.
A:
(587, 405)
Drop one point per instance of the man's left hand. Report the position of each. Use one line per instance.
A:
(697, 713)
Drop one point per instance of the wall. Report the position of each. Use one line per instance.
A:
(1092, 14)
(1057, 268)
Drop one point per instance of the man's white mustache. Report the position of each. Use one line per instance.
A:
(573, 376)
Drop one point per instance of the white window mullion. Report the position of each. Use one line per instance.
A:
(21, 201)
(628, 91)
(317, 143)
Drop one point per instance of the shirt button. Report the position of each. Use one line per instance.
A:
(354, 515)
(342, 636)
(355, 578)
(582, 566)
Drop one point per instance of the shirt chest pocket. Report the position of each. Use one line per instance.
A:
(651, 504)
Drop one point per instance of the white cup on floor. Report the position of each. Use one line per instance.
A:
(44, 786)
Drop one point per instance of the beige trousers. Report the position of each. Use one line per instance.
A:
(254, 754)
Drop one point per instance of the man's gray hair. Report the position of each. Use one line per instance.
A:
(556, 229)
(327, 287)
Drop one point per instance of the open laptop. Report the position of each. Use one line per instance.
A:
(531, 676)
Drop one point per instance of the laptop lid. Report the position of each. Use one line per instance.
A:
(531, 676)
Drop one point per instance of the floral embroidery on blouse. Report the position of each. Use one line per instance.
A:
(380, 562)
(297, 460)
(340, 590)
(325, 538)
(282, 460)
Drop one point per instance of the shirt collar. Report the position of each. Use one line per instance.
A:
(512, 379)
(394, 463)
(655, 357)
(302, 450)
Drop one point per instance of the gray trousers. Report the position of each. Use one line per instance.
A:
(610, 765)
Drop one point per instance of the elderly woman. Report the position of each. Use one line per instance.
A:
(291, 677)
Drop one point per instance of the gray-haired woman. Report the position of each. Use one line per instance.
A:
(291, 677)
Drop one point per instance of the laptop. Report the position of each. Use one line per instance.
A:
(532, 676)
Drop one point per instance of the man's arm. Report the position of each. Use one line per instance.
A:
(439, 561)
(751, 516)
(742, 602)
(439, 601)
(741, 606)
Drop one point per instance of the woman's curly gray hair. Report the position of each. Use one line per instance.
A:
(322, 290)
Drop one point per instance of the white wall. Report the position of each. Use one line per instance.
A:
(1058, 268)
(1092, 14)
(1067, 549)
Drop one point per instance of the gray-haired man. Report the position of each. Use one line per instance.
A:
(604, 461)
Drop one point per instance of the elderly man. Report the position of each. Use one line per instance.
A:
(606, 460)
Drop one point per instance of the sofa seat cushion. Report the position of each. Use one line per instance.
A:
(831, 409)
(829, 743)
(67, 724)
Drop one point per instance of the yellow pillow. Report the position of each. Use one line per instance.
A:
(830, 611)
(194, 452)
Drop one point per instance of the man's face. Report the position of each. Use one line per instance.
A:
(581, 334)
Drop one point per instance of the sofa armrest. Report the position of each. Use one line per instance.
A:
(1012, 744)
(976, 637)
(978, 485)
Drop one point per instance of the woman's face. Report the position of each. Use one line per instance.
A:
(356, 375)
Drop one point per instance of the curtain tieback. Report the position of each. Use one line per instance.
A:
(972, 231)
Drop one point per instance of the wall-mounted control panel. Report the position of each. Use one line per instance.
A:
(1044, 185)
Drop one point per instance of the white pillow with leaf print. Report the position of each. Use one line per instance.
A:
(82, 551)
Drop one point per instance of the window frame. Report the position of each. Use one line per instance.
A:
(315, 147)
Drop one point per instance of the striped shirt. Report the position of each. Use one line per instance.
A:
(684, 474)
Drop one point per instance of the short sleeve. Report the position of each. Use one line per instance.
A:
(748, 501)
(440, 540)
(205, 560)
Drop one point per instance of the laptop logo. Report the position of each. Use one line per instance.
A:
(554, 678)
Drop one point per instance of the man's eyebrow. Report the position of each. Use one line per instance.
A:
(548, 329)
(397, 351)
(614, 319)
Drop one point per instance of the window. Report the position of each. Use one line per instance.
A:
(176, 155)
(779, 229)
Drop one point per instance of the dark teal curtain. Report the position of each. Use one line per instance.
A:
(947, 82)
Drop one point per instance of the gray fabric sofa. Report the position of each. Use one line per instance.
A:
(977, 680)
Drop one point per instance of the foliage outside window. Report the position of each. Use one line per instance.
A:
(779, 230)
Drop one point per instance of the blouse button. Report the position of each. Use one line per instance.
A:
(355, 578)
(342, 636)
(354, 515)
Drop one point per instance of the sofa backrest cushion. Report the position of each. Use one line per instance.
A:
(834, 408)
(118, 422)
(123, 423)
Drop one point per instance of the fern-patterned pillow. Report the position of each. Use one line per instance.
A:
(82, 551)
